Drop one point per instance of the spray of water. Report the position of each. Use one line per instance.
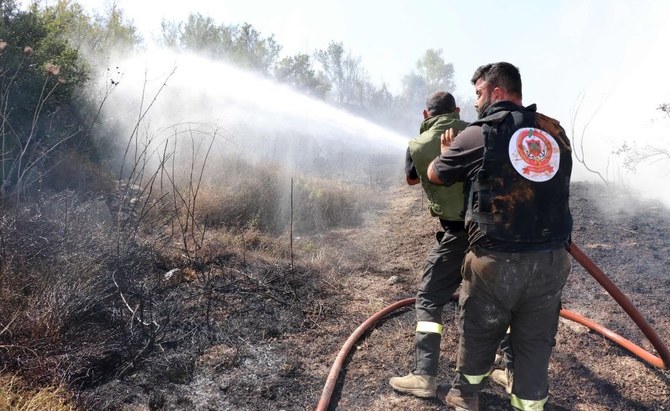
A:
(250, 137)
(254, 114)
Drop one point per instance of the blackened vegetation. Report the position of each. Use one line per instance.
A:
(239, 329)
(85, 304)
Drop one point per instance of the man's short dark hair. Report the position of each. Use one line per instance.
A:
(503, 75)
(440, 102)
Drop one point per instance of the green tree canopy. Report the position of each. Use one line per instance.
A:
(345, 73)
(437, 74)
(297, 71)
(43, 112)
(242, 45)
(432, 74)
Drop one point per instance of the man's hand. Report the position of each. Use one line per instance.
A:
(412, 181)
(446, 139)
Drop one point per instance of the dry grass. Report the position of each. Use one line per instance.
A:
(16, 395)
(263, 200)
(61, 322)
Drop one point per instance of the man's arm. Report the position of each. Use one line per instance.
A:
(432, 174)
(459, 156)
(445, 142)
(411, 175)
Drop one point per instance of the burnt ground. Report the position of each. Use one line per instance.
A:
(272, 332)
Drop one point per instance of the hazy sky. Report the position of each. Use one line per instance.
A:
(609, 54)
(565, 49)
(573, 41)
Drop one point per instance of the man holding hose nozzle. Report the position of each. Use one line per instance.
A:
(516, 164)
(442, 267)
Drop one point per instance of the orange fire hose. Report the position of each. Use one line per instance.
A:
(348, 345)
(664, 361)
(661, 362)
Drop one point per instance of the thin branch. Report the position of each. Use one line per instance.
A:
(142, 115)
(580, 155)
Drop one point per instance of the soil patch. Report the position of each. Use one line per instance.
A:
(273, 331)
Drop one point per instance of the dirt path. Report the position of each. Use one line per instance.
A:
(630, 242)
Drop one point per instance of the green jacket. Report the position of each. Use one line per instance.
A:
(444, 202)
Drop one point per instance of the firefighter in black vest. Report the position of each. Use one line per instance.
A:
(516, 164)
(442, 266)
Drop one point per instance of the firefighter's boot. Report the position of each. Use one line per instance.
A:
(423, 386)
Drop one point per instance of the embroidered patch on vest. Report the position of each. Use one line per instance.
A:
(534, 154)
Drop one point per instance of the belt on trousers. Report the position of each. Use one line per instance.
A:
(549, 255)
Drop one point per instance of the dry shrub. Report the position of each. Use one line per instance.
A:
(262, 200)
(221, 243)
(321, 204)
(69, 286)
(59, 237)
(16, 395)
(57, 258)
(242, 202)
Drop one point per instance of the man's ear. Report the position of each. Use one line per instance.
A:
(457, 110)
(425, 114)
(498, 94)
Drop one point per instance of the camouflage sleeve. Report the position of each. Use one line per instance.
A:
(554, 128)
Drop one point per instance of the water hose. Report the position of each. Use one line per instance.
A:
(661, 362)
(348, 345)
(664, 361)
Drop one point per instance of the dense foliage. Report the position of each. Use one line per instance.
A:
(45, 112)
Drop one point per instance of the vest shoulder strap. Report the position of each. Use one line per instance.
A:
(496, 117)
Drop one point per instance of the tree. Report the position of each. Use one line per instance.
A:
(243, 45)
(97, 36)
(201, 34)
(345, 74)
(437, 74)
(170, 34)
(250, 50)
(112, 31)
(633, 156)
(432, 74)
(7, 9)
(414, 91)
(297, 72)
(41, 115)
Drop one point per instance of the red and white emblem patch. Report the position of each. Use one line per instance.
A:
(534, 154)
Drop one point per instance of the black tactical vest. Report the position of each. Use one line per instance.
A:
(521, 193)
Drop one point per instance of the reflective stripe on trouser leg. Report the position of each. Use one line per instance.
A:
(428, 327)
(475, 379)
(528, 405)
(469, 385)
(427, 347)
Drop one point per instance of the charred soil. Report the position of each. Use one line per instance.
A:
(247, 329)
(275, 330)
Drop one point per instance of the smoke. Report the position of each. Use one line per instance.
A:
(621, 131)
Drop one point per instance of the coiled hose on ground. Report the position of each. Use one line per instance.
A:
(662, 361)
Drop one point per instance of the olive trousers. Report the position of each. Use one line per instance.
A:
(441, 277)
(518, 290)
